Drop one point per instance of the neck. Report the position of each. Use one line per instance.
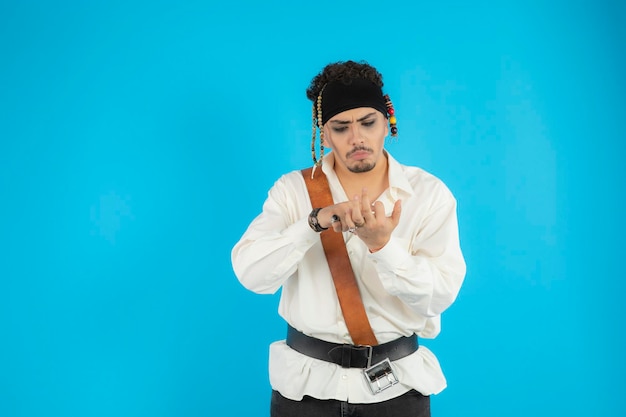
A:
(376, 180)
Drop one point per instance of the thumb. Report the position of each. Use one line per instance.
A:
(395, 214)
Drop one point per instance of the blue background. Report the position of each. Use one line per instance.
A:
(139, 138)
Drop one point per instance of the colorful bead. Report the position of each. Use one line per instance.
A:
(392, 118)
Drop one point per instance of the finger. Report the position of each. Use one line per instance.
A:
(335, 223)
(366, 206)
(379, 210)
(356, 216)
(344, 222)
(395, 214)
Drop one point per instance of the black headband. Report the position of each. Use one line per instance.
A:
(342, 95)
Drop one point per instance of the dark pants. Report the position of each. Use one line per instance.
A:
(411, 404)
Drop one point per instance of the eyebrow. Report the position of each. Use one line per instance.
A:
(347, 122)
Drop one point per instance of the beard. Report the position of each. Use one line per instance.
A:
(360, 166)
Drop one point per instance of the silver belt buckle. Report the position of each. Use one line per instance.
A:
(379, 376)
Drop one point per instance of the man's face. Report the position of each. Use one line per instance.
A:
(357, 137)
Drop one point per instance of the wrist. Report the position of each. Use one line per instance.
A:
(377, 248)
(314, 222)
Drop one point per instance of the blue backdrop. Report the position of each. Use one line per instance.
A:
(139, 138)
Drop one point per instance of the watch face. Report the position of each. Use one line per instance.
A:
(313, 222)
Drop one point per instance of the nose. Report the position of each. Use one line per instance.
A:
(356, 136)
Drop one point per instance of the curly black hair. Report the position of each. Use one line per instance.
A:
(343, 70)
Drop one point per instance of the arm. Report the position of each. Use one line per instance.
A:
(428, 274)
(275, 242)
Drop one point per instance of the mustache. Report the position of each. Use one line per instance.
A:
(358, 149)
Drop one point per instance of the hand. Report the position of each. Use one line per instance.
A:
(367, 221)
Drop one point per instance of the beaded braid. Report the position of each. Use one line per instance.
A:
(314, 136)
(392, 118)
(317, 122)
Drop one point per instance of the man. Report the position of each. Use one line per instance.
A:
(352, 342)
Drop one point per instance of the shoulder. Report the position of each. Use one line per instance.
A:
(418, 176)
(426, 185)
(292, 179)
(289, 185)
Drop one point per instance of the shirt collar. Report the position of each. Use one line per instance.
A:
(398, 183)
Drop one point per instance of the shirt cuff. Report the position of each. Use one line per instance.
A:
(391, 254)
(301, 233)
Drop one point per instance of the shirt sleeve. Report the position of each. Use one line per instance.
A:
(426, 275)
(270, 250)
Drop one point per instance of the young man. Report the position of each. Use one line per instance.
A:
(388, 233)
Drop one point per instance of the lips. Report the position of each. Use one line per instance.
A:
(359, 153)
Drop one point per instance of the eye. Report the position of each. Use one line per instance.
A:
(340, 129)
(369, 123)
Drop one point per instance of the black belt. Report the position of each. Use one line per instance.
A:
(350, 356)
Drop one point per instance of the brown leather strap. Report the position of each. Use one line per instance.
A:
(340, 267)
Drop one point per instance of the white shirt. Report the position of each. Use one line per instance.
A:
(405, 286)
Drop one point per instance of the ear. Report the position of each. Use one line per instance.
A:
(327, 143)
(386, 127)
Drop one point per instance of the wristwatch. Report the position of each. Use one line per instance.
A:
(314, 223)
